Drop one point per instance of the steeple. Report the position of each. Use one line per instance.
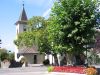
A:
(23, 17)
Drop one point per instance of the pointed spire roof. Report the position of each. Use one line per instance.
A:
(23, 17)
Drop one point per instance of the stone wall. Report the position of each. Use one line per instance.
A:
(5, 63)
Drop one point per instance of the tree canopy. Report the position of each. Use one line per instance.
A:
(36, 34)
(6, 54)
(72, 24)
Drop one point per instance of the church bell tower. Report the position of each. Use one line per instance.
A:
(21, 26)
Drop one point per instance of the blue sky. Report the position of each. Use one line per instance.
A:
(9, 14)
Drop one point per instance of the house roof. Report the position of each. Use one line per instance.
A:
(23, 17)
(24, 50)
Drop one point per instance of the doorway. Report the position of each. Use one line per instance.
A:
(35, 59)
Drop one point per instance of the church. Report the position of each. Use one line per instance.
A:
(31, 54)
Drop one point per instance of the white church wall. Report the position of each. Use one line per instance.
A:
(20, 28)
(29, 58)
(40, 58)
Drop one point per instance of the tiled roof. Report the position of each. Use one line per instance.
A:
(25, 49)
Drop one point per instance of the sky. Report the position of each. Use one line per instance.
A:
(9, 13)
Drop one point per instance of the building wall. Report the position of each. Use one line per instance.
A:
(41, 58)
(30, 58)
(20, 28)
(5, 63)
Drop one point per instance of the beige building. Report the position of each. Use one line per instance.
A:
(31, 54)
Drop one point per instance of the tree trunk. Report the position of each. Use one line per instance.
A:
(56, 60)
(69, 58)
(63, 59)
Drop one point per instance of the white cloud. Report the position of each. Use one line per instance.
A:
(46, 13)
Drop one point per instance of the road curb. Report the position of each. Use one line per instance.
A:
(61, 73)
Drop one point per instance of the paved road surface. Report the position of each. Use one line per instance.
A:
(24, 71)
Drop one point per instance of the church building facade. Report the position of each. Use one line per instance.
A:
(31, 54)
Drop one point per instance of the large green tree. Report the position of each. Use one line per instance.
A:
(38, 25)
(72, 25)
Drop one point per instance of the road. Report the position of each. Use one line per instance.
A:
(24, 71)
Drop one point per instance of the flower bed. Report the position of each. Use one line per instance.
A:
(73, 69)
(69, 69)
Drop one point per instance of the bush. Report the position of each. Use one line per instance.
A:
(50, 68)
(91, 70)
(4, 55)
(46, 62)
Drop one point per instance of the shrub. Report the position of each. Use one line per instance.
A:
(4, 55)
(46, 62)
(50, 68)
(91, 71)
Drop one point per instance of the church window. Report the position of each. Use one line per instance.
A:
(24, 28)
